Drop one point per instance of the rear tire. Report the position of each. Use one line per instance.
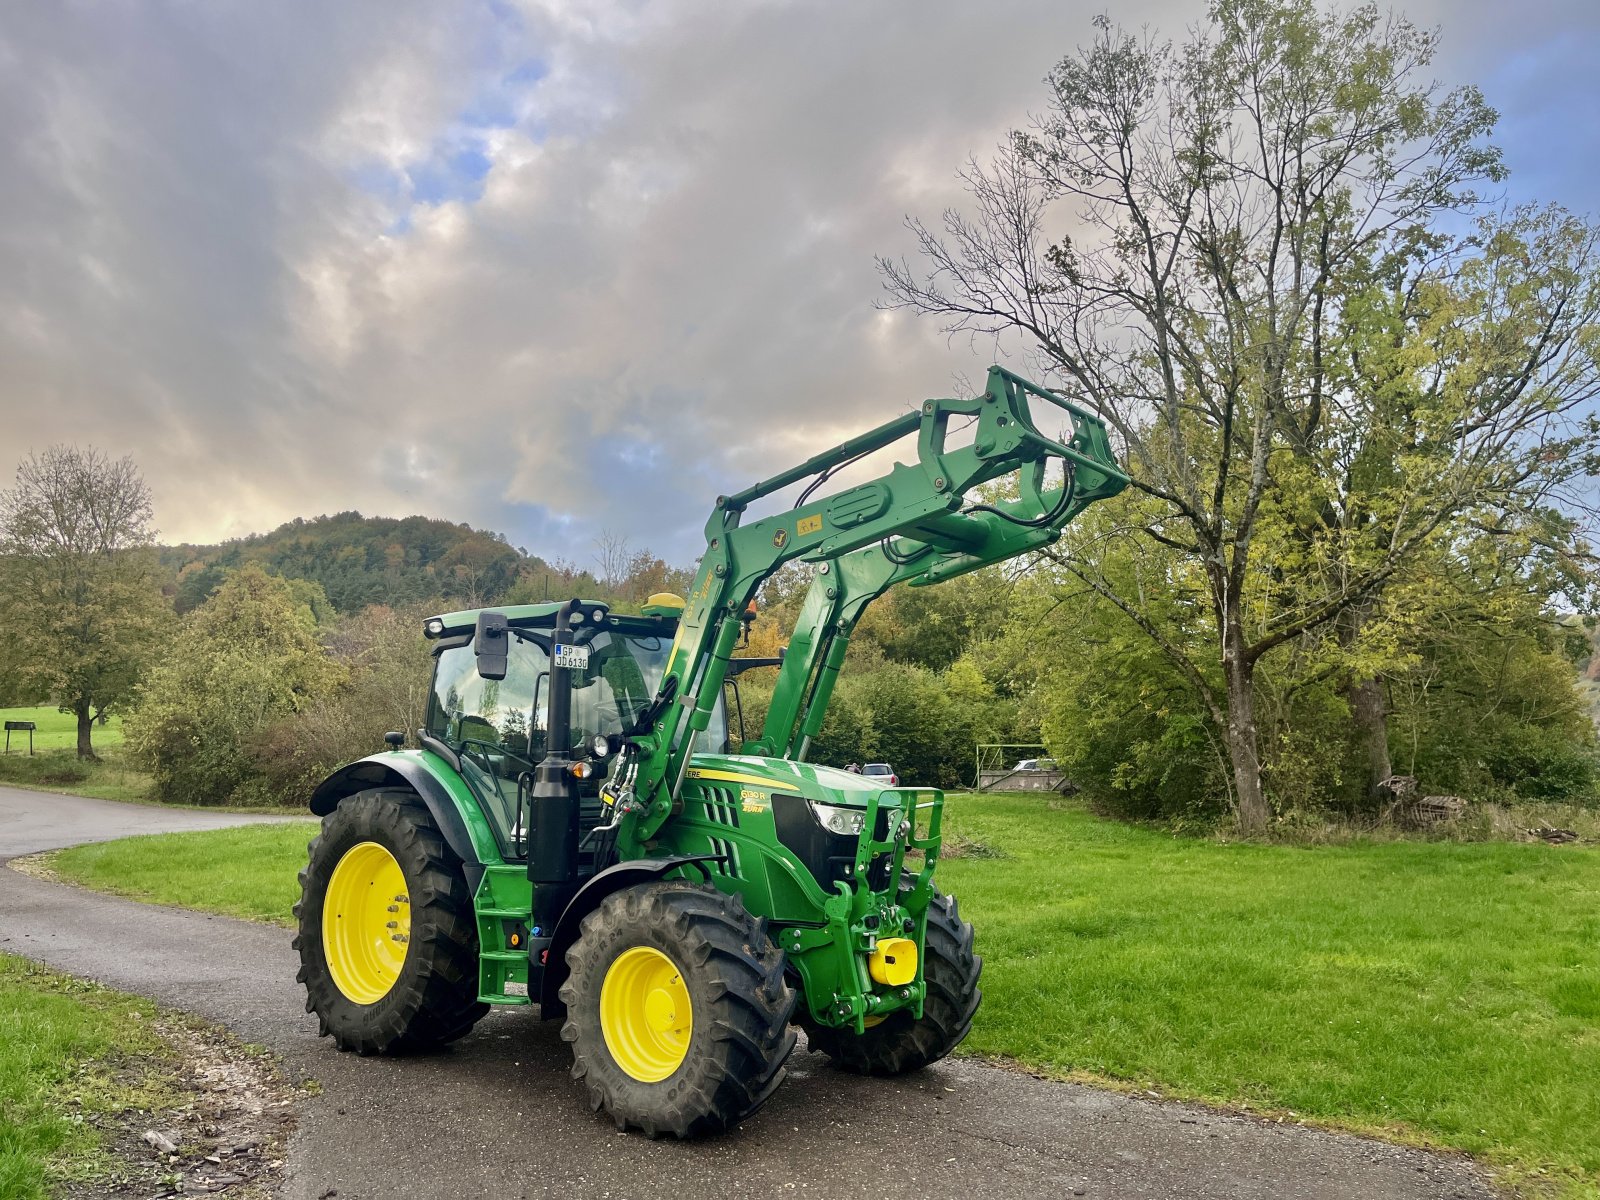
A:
(701, 1071)
(432, 996)
(900, 1043)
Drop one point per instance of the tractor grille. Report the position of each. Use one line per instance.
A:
(721, 806)
(728, 852)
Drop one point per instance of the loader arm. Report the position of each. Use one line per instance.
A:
(843, 589)
(912, 524)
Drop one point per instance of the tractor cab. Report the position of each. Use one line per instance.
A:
(499, 728)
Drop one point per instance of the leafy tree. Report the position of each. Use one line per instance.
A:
(911, 724)
(1121, 718)
(1477, 676)
(1319, 380)
(83, 600)
(386, 667)
(246, 657)
(933, 626)
(1486, 704)
(556, 580)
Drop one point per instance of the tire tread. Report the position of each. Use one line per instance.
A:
(435, 1000)
(740, 974)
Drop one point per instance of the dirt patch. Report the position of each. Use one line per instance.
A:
(964, 847)
(226, 1134)
(36, 866)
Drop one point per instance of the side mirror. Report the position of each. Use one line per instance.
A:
(492, 644)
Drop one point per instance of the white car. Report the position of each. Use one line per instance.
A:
(882, 771)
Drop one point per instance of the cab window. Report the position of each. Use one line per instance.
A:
(497, 727)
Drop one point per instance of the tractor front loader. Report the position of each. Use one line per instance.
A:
(575, 830)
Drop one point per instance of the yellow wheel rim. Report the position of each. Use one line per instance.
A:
(645, 1014)
(366, 922)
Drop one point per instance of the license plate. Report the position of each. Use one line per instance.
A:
(573, 658)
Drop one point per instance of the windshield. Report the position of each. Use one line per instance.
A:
(498, 726)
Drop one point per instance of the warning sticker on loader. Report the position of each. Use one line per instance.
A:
(573, 658)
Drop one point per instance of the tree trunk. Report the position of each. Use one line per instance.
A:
(1244, 754)
(1371, 716)
(85, 728)
(1249, 797)
(1369, 711)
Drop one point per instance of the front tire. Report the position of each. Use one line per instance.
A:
(677, 1009)
(900, 1043)
(388, 941)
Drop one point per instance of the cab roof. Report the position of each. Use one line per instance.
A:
(534, 616)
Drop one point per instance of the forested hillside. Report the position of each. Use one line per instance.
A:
(359, 561)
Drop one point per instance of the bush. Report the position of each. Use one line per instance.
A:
(923, 723)
(386, 688)
(244, 658)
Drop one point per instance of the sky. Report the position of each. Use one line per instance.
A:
(548, 267)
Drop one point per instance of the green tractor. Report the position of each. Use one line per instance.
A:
(575, 831)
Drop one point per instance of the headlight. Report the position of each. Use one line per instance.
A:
(433, 627)
(600, 746)
(847, 821)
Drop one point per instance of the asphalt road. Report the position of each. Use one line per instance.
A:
(497, 1116)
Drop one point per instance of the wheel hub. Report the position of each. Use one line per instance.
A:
(366, 922)
(645, 1014)
(660, 1010)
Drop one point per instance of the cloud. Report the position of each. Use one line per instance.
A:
(548, 268)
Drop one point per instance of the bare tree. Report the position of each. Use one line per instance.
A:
(614, 555)
(1239, 252)
(84, 602)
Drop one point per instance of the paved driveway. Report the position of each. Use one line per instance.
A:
(496, 1115)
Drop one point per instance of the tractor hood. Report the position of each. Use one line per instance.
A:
(828, 784)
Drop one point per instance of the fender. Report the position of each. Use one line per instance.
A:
(588, 897)
(401, 771)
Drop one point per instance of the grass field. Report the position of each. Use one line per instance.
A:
(58, 730)
(71, 1053)
(245, 872)
(1443, 992)
(54, 765)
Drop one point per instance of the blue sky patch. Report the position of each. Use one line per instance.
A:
(458, 162)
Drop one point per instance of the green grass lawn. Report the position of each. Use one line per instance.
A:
(1450, 990)
(58, 730)
(54, 765)
(1445, 992)
(71, 1054)
(249, 872)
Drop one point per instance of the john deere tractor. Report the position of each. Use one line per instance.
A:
(574, 828)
